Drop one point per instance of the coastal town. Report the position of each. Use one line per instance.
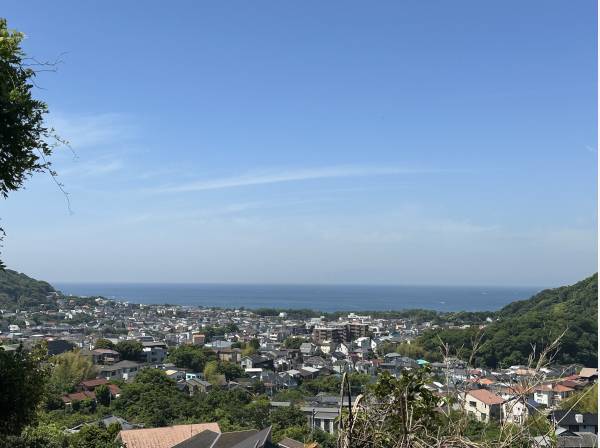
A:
(275, 354)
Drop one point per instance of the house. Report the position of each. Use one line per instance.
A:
(551, 395)
(575, 422)
(105, 356)
(308, 348)
(87, 390)
(196, 385)
(69, 399)
(566, 439)
(287, 381)
(322, 417)
(308, 373)
(250, 438)
(228, 354)
(154, 352)
(590, 374)
(91, 385)
(193, 375)
(484, 405)
(256, 362)
(517, 409)
(198, 339)
(165, 437)
(317, 362)
(175, 374)
(219, 345)
(123, 370)
(105, 422)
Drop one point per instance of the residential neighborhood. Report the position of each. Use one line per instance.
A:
(277, 354)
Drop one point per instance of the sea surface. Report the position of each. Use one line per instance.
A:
(316, 297)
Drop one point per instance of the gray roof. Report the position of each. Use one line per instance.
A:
(566, 418)
(197, 382)
(236, 439)
(286, 442)
(119, 365)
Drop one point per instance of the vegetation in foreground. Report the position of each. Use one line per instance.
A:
(391, 412)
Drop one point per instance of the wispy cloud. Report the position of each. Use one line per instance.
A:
(290, 175)
(97, 167)
(91, 130)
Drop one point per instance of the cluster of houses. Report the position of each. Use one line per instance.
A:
(321, 348)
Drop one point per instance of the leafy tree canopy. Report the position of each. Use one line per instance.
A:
(191, 357)
(130, 349)
(23, 379)
(25, 139)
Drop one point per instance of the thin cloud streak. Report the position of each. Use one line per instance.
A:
(293, 175)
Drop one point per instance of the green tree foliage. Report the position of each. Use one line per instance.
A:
(539, 320)
(23, 379)
(284, 418)
(18, 291)
(68, 370)
(212, 374)
(293, 342)
(103, 394)
(25, 139)
(413, 403)
(212, 332)
(293, 395)
(332, 384)
(94, 436)
(230, 370)
(152, 399)
(130, 349)
(583, 401)
(41, 436)
(191, 357)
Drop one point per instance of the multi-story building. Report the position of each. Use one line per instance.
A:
(340, 332)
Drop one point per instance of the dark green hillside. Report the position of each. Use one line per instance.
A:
(20, 291)
(536, 321)
(578, 298)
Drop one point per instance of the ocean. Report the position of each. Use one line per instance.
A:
(316, 297)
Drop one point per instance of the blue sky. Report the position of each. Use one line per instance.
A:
(404, 142)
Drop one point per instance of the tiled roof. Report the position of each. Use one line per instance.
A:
(78, 396)
(485, 396)
(93, 383)
(166, 437)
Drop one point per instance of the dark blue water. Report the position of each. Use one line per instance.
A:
(316, 297)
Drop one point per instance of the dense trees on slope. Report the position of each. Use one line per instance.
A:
(23, 292)
(528, 324)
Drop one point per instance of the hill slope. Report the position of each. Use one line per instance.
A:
(20, 291)
(536, 322)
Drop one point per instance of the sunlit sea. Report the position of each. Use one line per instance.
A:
(316, 297)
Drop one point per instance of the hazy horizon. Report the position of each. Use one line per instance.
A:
(315, 143)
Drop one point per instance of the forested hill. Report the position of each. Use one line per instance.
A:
(20, 291)
(536, 321)
(581, 297)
